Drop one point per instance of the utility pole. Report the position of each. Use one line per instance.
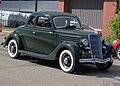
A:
(0, 1)
(19, 5)
(36, 4)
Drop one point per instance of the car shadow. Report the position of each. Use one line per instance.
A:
(48, 63)
(83, 69)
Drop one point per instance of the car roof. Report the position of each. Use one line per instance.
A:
(53, 14)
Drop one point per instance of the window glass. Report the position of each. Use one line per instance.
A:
(43, 22)
(61, 22)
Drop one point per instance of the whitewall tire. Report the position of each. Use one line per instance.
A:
(118, 52)
(13, 49)
(67, 61)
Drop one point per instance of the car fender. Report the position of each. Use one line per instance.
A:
(72, 46)
(16, 36)
(116, 44)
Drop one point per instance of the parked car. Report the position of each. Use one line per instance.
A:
(116, 46)
(59, 36)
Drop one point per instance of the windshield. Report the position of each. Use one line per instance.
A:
(61, 22)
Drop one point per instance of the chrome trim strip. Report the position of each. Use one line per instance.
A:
(86, 60)
(90, 46)
(103, 61)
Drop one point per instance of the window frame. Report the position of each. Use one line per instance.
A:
(33, 18)
(43, 22)
(65, 17)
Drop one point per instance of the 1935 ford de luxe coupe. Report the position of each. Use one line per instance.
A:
(56, 35)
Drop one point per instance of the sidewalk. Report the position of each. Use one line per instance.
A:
(7, 30)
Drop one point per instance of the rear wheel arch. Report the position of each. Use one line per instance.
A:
(18, 40)
(8, 40)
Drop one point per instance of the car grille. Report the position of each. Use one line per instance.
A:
(95, 46)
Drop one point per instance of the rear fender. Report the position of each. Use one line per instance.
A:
(15, 36)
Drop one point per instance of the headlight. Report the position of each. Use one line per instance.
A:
(106, 42)
(85, 42)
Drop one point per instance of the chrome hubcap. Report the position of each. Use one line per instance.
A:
(118, 54)
(13, 48)
(67, 61)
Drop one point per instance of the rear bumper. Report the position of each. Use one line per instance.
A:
(95, 60)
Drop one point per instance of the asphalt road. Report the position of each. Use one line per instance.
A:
(33, 72)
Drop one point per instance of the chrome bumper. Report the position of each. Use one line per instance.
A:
(95, 60)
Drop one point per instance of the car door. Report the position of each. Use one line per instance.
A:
(27, 34)
(38, 37)
(43, 35)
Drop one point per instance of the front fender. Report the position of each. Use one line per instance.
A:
(111, 51)
(16, 36)
(72, 46)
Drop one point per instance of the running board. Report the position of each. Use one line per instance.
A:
(36, 55)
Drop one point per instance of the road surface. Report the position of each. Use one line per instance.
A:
(33, 72)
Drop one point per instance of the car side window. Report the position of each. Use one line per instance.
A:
(43, 22)
(31, 21)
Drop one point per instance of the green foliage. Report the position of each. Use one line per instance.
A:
(115, 27)
(109, 38)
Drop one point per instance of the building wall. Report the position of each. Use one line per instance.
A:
(29, 5)
(109, 10)
(48, 5)
(89, 11)
(108, 14)
(61, 5)
(24, 7)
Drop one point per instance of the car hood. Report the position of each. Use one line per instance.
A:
(80, 33)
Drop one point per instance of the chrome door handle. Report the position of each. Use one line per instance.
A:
(50, 32)
(34, 33)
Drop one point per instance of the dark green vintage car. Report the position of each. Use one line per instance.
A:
(59, 36)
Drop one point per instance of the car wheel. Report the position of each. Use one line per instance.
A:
(118, 52)
(67, 62)
(104, 66)
(13, 49)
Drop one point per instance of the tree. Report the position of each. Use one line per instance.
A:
(115, 27)
(114, 24)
